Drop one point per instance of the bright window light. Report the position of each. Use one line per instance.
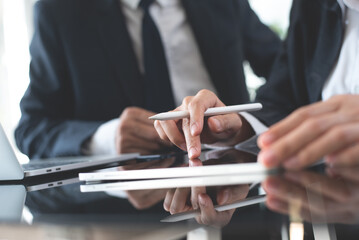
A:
(15, 61)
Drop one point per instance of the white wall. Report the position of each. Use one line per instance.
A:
(15, 32)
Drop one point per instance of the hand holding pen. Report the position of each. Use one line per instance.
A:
(188, 133)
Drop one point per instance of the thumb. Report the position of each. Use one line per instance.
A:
(225, 123)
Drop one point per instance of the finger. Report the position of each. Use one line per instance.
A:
(168, 199)
(209, 216)
(345, 217)
(295, 119)
(328, 187)
(232, 193)
(337, 138)
(347, 174)
(160, 131)
(196, 191)
(193, 143)
(347, 157)
(148, 133)
(301, 140)
(225, 126)
(179, 201)
(143, 199)
(138, 130)
(203, 100)
(277, 205)
(129, 143)
(224, 196)
(339, 207)
(285, 190)
(287, 205)
(137, 114)
(292, 194)
(171, 130)
(280, 206)
(208, 213)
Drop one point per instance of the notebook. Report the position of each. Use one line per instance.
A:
(11, 169)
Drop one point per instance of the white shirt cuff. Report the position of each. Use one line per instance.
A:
(257, 126)
(103, 141)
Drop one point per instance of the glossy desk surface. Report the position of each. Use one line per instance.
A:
(318, 203)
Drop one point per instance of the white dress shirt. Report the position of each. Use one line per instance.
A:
(344, 78)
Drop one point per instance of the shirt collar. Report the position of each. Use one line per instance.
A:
(352, 4)
(131, 3)
(163, 3)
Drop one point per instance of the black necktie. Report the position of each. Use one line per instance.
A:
(158, 92)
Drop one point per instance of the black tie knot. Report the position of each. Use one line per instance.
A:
(145, 4)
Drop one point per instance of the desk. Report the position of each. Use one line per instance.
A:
(317, 203)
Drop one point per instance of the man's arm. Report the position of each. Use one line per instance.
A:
(286, 88)
(48, 126)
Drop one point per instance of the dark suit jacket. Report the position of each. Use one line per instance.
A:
(305, 61)
(84, 71)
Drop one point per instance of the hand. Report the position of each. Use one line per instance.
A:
(188, 133)
(142, 199)
(316, 197)
(185, 199)
(135, 133)
(327, 129)
(177, 200)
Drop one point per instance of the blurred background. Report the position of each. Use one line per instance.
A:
(16, 30)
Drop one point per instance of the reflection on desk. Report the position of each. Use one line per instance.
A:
(318, 203)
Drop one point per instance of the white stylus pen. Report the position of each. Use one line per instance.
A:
(210, 111)
(220, 208)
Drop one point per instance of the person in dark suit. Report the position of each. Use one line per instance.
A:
(94, 82)
(311, 96)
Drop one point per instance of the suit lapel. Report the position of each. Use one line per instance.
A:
(329, 43)
(118, 45)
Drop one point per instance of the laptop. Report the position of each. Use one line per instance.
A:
(11, 169)
(12, 196)
(12, 200)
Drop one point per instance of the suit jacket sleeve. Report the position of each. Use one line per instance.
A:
(304, 62)
(278, 94)
(48, 126)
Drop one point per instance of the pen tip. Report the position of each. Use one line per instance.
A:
(153, 117)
